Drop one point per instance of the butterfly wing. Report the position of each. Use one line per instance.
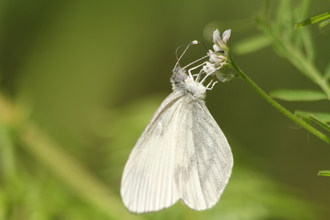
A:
(203, 157)
(148, 180)
(182, 154)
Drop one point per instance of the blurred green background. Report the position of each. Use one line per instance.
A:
(90, 74)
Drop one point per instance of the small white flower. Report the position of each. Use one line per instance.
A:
(219, 57)
(209, 68)
(221, 44)
(226, 36)
(216, 57)
(221, 47)
(224, 77)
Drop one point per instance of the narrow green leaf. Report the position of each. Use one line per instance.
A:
(324, 23)
(324, 173)
(320, 123)
(327, 72)
(313, 20)
(305, 42)
(298, 95)
(322, 116)
(251, 44)
(303, 34)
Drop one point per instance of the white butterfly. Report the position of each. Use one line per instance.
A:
(181, 155)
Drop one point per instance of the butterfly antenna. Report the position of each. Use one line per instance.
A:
(196, 61)
(185, 50)
(203, 45)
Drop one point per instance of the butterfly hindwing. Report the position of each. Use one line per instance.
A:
(203, 160)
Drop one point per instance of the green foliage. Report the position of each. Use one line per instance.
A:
(298, 95)
(41, 197)
(251, 44)
(322, 18)
(324, 173)
(298, 48)
(319, 118)
(55, 167)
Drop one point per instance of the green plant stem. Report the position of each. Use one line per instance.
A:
(278, 106)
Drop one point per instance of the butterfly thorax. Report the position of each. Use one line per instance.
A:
(182, 82)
